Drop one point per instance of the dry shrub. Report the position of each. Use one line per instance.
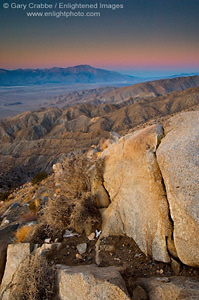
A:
(32, 206)
(57, 214)
(22, 233)
(38, 177)
(38, 233)
(35, 280)
(76, 175)
(85, 216)
(73, 207)
(79, 214)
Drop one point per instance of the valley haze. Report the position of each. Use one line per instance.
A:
(29, 89)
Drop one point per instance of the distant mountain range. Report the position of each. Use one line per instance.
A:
(184, 75)
(78, 74)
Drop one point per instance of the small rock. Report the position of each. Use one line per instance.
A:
(138, 255)
(78, 256)
(81, 248)
(68, 233)
(97, 233)
(116, 258)
(45, 249)
(5, 221)
(35, 247)
(91, 237)
(175, 266)
(109, 248)
(47, 241)
(163, 279)
(44, 200)
(139, 294)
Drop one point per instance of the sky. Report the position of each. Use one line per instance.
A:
(145, 37)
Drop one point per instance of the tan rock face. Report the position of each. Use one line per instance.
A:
(90, 283)
(173, 288)
(133, 181)
(97, 189)
(178, 158)
(16, 254)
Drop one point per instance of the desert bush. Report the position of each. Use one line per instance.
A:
(32, 206)
(57, 214)
(73, 206)
(39, 232)
(85, 216)
(22, 233)
(38, 177)
(35, 280)
(76, 175)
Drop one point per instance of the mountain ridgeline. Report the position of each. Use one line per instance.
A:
(137, 91)
(72, 75)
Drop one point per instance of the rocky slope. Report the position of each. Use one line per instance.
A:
(92, 96)
(36, 140)
(150, 179)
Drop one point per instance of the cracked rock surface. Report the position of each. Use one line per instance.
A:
(178, 158)
(139, 207)
(153, 185)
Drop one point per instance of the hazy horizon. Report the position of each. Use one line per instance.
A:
(137, 73)
(154, 37)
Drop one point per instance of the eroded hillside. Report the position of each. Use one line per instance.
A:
(34, 141)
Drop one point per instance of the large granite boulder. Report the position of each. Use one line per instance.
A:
(16, 254)
(90, 283)
(139, 206)
(178, 158)
(172, 288)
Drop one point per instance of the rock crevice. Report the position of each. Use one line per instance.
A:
(138, 207)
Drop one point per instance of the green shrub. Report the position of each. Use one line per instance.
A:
(38, 177)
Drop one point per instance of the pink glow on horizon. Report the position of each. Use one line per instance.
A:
(128, 64)
(119, 58)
